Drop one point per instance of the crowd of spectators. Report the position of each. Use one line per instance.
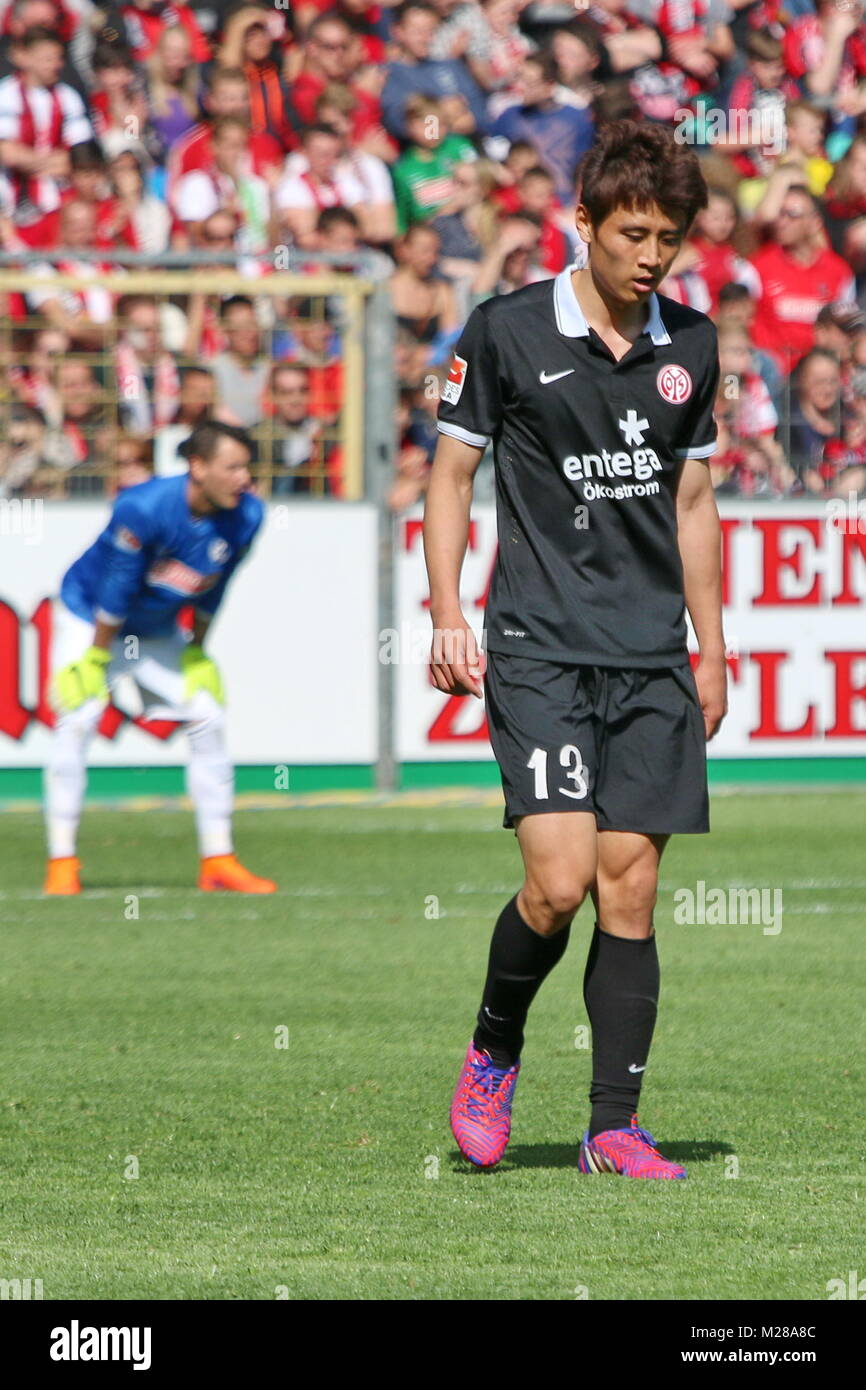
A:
(442, 139)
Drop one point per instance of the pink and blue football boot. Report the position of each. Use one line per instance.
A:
(631, 1152)
(481, 1108)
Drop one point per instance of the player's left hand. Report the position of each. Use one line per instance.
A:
(711, 678)
(200, 673)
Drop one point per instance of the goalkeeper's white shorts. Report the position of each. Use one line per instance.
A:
(144, 675)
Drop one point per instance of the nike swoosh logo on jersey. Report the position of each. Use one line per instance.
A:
(555, 376)
(634, 1068)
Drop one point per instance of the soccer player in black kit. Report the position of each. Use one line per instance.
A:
(598, 396)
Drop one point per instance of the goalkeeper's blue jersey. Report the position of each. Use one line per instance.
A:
(155, 557)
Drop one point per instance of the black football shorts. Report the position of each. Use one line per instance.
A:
(627, 745)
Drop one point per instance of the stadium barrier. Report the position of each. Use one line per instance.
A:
(324, 643)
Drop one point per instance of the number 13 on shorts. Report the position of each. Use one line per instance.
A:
(575, 771)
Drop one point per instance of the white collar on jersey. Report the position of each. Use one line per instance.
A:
(570, 318)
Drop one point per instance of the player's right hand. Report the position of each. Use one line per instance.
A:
(83, 679)
(457, 663)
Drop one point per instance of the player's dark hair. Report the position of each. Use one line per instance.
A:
(205, 439)
(194, 370)
(639, 166)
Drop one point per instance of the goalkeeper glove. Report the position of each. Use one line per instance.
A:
(83, 679)
(200, 673)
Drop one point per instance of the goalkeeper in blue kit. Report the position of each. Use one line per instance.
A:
(170, 543)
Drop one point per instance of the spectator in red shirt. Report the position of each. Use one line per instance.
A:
(364, 18)
(717, 261)
(88, 183)
(145, 21)
(799, 273)
(537, 195)
(329, 47)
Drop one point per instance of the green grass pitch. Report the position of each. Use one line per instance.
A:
(326, 1169)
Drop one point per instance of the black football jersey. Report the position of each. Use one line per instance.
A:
(587, 454)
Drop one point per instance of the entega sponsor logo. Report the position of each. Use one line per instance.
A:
(640, 464)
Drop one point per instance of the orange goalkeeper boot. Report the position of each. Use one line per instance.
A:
(224, 871)
(61, 877)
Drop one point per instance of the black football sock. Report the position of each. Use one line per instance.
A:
(520, 960)
(621, 991)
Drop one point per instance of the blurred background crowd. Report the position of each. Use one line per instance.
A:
(441, 138)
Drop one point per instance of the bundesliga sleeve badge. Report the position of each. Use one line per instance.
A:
(453, 386)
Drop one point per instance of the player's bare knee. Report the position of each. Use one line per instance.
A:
(553, 902)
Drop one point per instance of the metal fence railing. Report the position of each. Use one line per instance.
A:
(86, 391)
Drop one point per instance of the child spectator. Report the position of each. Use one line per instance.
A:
(556, 249)
(423, 175)
(713, 239)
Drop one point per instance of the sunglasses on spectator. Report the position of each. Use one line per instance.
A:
(333, 47)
